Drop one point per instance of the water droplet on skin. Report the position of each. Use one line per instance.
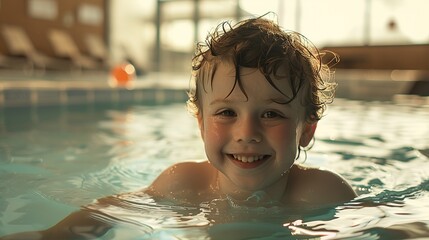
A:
(256, 197)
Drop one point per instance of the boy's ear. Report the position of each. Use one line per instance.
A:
(307, 133)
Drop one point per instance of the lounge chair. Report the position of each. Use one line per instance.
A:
(10, 62)
(65, 47)
(3, 61)
(20, 45)
(96, 48)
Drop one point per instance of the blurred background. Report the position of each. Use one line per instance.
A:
(383, 44)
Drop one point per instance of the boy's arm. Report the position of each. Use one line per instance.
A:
(335, 189)
(78, 225)
(179, 182)
(320, 187)
(183, 182)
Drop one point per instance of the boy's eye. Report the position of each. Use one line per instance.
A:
(226, 113)
(271, 114)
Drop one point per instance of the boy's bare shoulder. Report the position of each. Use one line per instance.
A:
(183, 180)
(310, 185)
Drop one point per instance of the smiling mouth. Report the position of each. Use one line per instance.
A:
(248, 158)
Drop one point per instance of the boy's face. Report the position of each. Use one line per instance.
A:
(253, 141)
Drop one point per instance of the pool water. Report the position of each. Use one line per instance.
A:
(54, 160)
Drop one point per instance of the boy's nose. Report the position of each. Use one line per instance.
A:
(248, 131)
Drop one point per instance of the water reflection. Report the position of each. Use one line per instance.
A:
(60, 159)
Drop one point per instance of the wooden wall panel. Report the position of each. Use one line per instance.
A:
(402, 57)
(15, 12)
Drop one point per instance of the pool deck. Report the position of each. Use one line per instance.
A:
(20, 89)
(371, 84)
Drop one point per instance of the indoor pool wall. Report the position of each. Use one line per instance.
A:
(96, 89)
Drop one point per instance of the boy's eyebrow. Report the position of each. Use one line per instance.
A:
(216, 101)
(279, 100)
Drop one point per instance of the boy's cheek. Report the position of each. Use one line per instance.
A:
(213, 132)
(281, 135)
(209, 128)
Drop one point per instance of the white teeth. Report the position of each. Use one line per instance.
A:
(248, 159)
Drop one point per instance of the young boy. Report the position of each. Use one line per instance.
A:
(258, 94)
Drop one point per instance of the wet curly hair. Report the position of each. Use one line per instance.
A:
(261, 43)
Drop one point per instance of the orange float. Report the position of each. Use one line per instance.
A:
(123, 74)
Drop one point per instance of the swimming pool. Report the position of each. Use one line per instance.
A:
(55, 159)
